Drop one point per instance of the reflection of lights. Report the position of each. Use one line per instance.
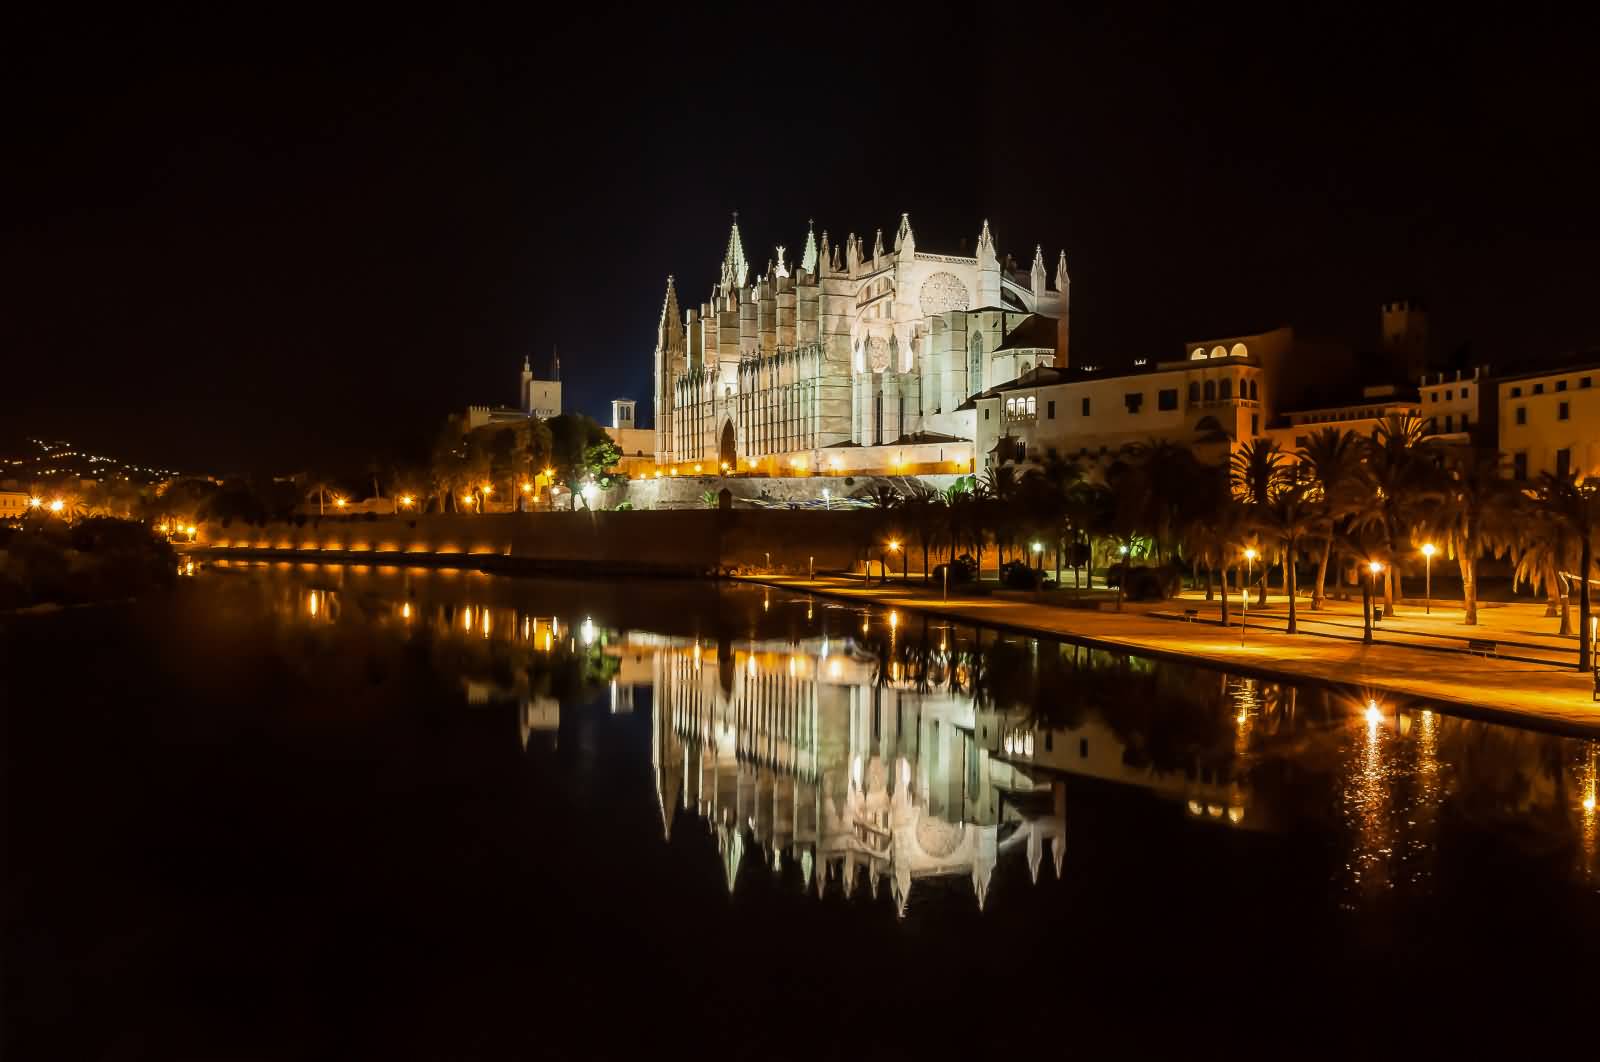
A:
(485, 622)
(589, 491)
(835, 669)
(314, 602)
(1195, 808)
(1242, 718)
(1235, 814)
(405, 610)
(894, 619)
(587, 631)
(1374, 716)
(855, 771)
(188, 568)
(750, 665)
(1214, 810)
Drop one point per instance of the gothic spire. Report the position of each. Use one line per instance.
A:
(669, 333)
(877, 246)
(985, 238)
(735, 268)
(1036, 275)
(808, 257)
(1061, 272)
(904, 241)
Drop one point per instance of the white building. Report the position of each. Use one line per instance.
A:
(849, 360)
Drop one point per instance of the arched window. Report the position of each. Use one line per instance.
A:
(975, 363)
(1211, 390)
(1194, 391)
(1239, 351)
(1225, 390)
(1253, 394)
(1219, 352)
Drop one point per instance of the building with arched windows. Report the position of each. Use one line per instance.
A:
(849, 361)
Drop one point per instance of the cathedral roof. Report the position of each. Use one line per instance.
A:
(1035, 332)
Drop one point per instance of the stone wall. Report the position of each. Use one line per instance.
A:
(664, 542)
(687, 492)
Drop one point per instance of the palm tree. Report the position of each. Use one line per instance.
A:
(1214, 539)
(320, 489)
(1574, 505)
(1473, 514)
(1258, 471)
(1397, 479)
(1541, 550)
(1291, 516)
(1330, 457)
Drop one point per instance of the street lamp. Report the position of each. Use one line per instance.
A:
(905, 560)
(339, 503)
(406, 501)
(56, 505)
(589, 491)
(1244, 616)
(1427, 601)
(1373, 568)
(34, 503)
(1038, 558)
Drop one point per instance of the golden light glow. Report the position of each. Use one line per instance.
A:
(405, 610)
(1428, 549)
(406, 501)
(894, 547)
(57, 505)
(340, 502)
(724, 466)
(1374, 567)
(189, 530)
(894, 619)
(697, 468)
(1249, 554)
(1374, 716)
(549, 473)
(34, 503)
(836, 464)
(161, 528)
(658, 473)
(488, 488)
(527, 488)
(674, 471)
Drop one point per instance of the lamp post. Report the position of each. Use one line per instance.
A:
(1427, 600)
(905, 562)
(1038, 555)
(1373, 568)
(1244, 616)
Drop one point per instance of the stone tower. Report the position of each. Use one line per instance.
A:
(1405, 336)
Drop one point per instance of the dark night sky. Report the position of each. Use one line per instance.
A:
(259, 244)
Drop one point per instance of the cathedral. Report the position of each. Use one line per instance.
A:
(850, 361)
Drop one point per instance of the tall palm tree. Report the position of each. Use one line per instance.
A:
(319, 488)
(1397, 477)
(1330, 458)
(1473, 514)
(1293, 514)
(1259, 470)
(1574, 505)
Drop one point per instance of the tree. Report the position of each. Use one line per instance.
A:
(1396, 476)
(1331, 458)
(1472, 513)
(1258, 471)
(1573, 506)
(1292, 515)
(580, 452)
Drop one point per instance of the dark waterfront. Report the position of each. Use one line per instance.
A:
(291, 811)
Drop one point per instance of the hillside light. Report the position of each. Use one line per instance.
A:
(1427, 599)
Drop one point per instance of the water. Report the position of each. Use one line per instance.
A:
(291, 811)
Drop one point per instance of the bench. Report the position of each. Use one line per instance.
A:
(1189, 614)
(1484, 646)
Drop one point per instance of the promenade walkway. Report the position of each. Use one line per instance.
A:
(1422, 656)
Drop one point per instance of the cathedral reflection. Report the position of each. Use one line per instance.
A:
(894, 750)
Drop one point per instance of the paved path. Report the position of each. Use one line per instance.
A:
(1417, 656)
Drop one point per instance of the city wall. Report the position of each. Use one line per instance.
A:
(673, 541)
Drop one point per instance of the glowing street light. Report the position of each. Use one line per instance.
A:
(340, 503)
(1038, 555)
(1244, 615)
(34, 503)
(589, 492)
(905, 560)
(406, 501)
(190, 530)
(1374, 716)
(1427, 601)
(56, 505)
(1373, 568)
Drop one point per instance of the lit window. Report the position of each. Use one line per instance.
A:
(1033, 406)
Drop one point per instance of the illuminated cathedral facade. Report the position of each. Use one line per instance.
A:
(850, 359)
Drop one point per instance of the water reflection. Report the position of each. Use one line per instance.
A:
(861, 752)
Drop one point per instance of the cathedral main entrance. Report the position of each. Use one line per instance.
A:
(727, 451)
